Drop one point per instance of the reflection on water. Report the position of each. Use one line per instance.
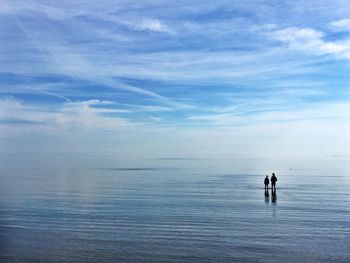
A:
(274, 196)
(267, 196)
(154, 213)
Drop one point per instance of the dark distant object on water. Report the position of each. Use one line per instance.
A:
(266, 182)
(273, 181)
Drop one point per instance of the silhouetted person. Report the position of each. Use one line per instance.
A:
(273, 181)
(266, 182)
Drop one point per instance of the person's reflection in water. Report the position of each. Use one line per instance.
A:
(273, 196)
(267, 196)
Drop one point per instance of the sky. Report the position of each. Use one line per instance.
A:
(175, 78)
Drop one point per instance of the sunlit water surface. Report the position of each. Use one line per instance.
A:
(171, 210)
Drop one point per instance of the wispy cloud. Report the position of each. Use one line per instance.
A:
(336, 112)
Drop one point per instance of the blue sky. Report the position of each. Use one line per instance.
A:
(177, 77)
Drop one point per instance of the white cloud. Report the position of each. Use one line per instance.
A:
(144, 24)
(70, 115)
(341, 25)
(297, 34)
(312, 42)
(154, 25)
(82, 114)
(157, 119)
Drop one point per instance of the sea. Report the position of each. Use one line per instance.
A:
(172, 209)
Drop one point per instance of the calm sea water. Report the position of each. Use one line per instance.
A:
(171, 210)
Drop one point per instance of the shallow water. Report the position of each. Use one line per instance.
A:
(170, 210)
